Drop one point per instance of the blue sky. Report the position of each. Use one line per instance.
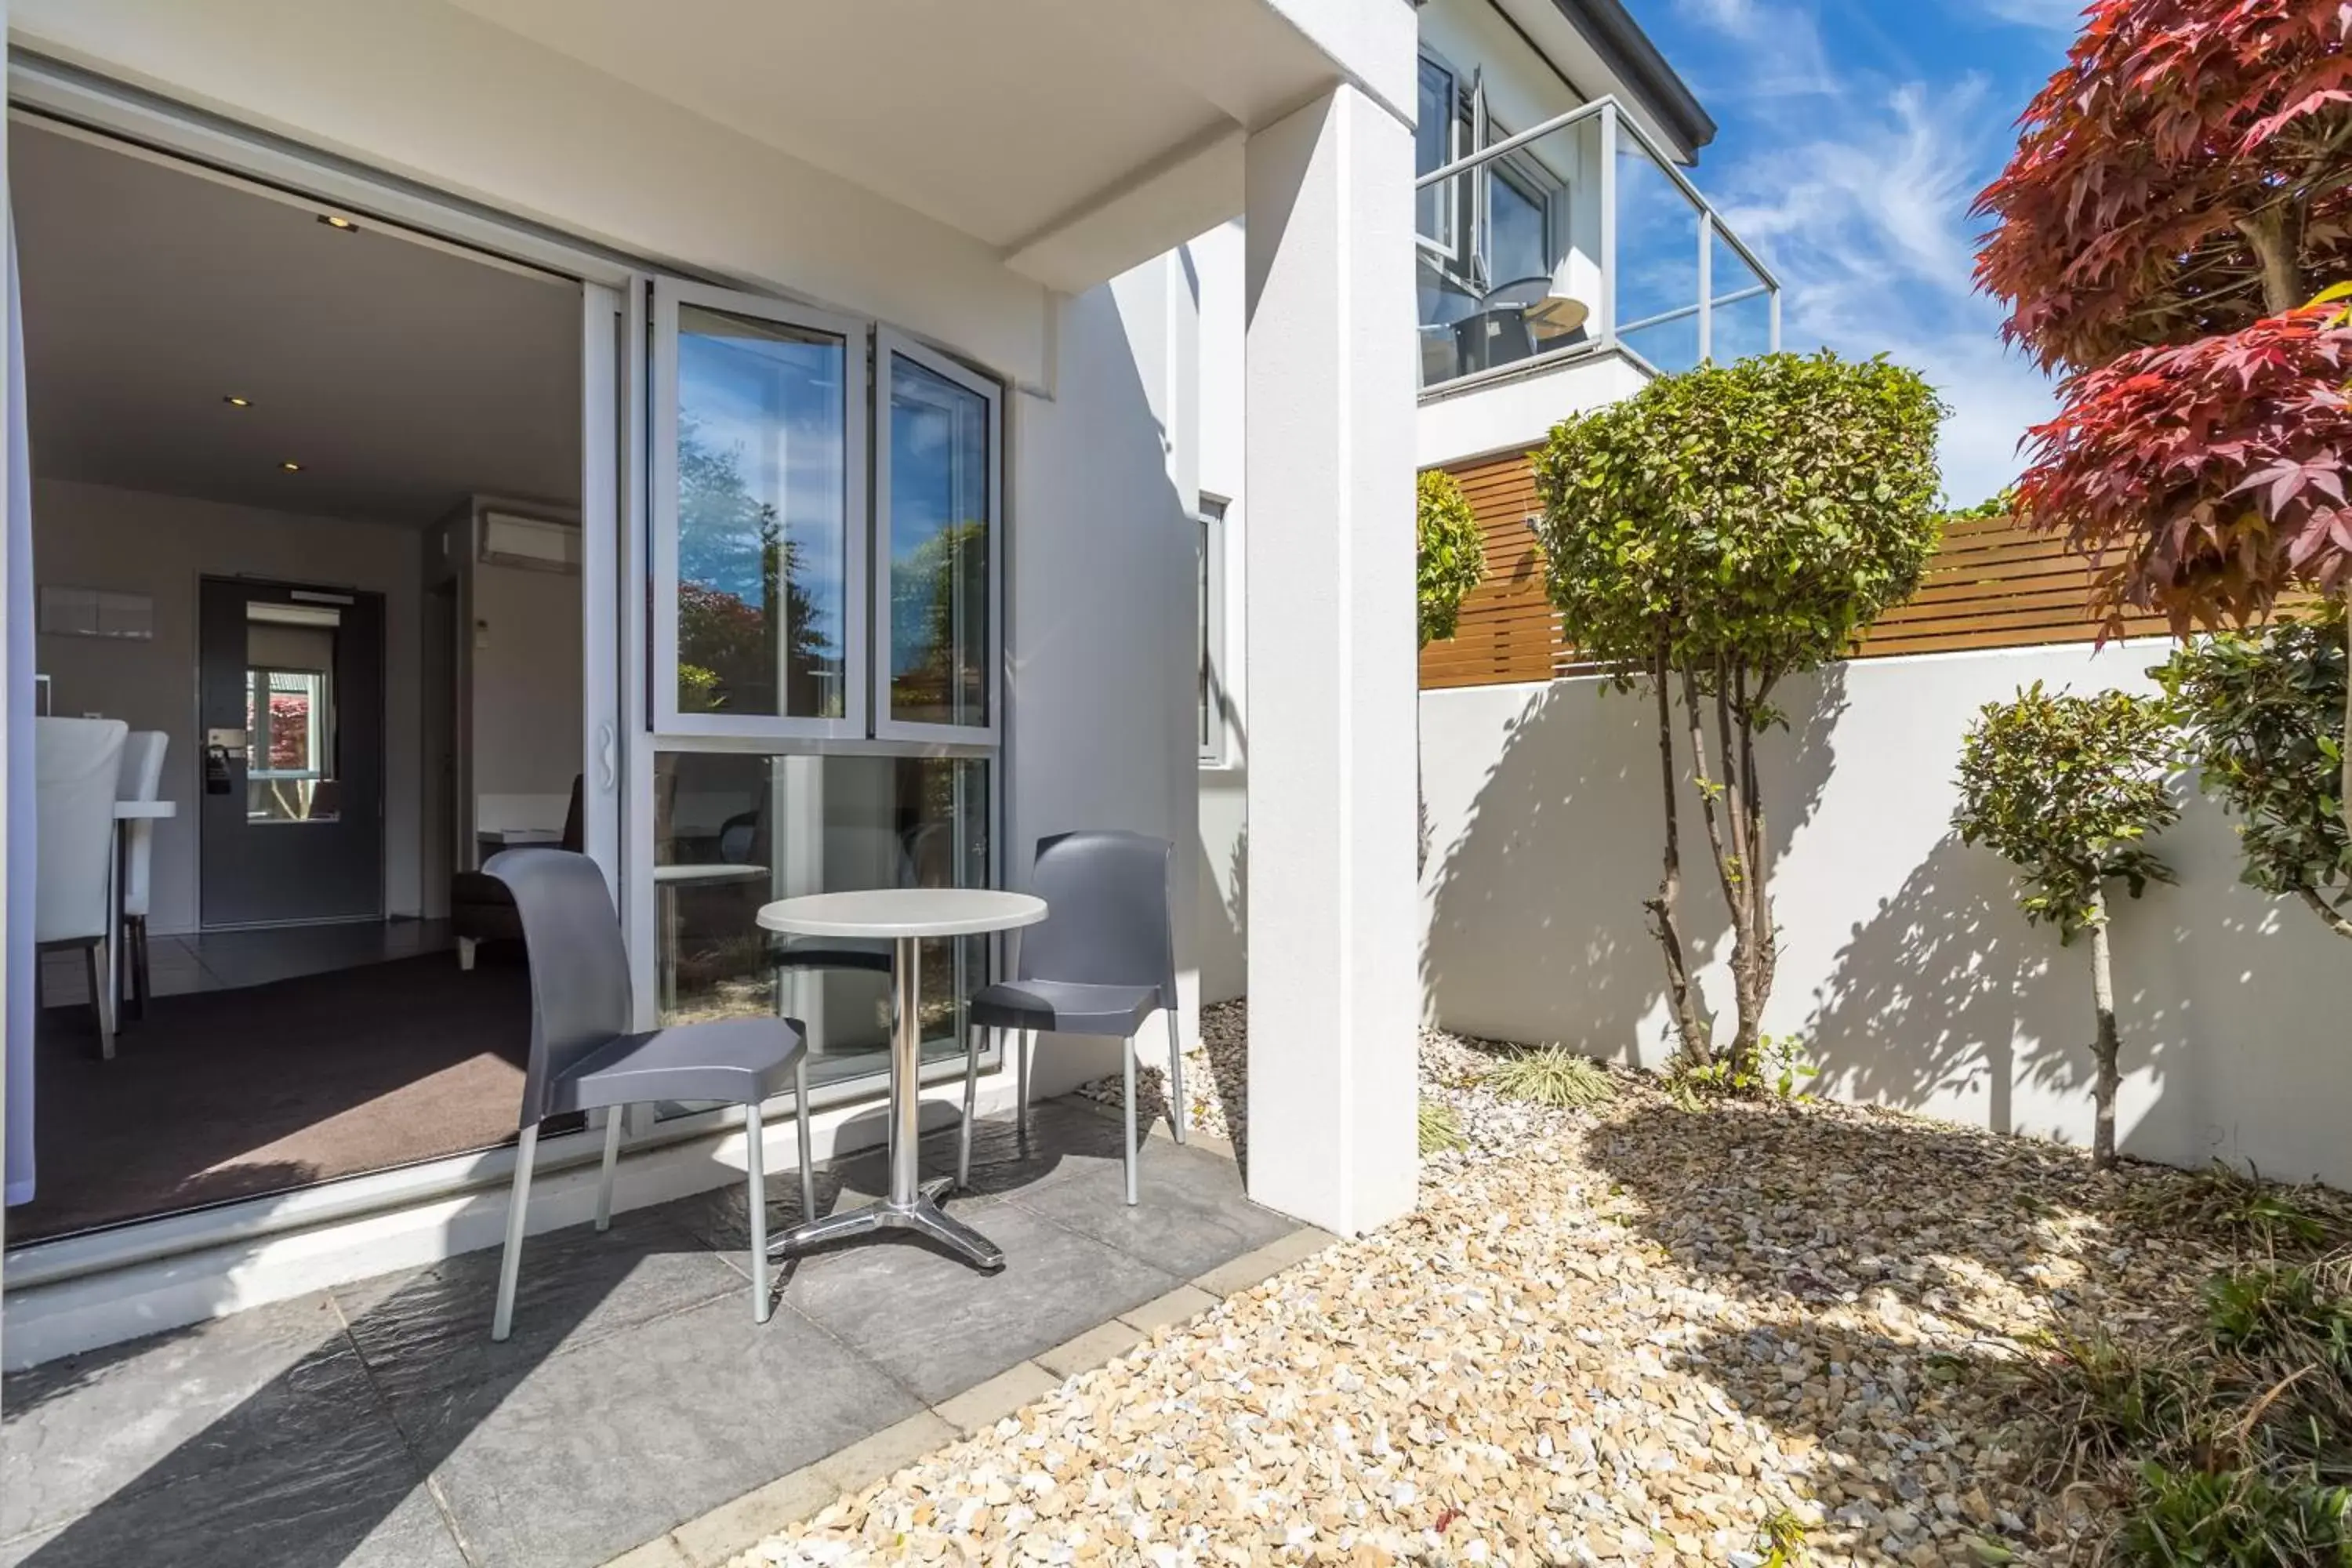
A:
(1855, 133)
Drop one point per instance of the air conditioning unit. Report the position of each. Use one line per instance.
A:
(530, 542)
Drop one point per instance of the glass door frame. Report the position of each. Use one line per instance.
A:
(645, 548)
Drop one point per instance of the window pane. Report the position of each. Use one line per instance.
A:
(938, 542)
(1432, 149)
(734, 831)
(1201, 624)
(1518, 249)
(289, 714)
(763, 517)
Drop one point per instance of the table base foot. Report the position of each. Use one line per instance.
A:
(924, 1217)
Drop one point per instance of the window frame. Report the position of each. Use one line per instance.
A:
(1209, 520)
(662, 516)
(890, 343)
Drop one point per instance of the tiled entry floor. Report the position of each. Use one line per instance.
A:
(377, 1424)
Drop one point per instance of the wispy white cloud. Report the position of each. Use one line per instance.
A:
(2050, 15)
(1860, 201)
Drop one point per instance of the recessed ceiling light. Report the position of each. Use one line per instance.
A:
(234, 401)
(337, 220)
(290, 466)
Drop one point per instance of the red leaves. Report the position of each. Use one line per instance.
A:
(2118, 220)
(2204, 479)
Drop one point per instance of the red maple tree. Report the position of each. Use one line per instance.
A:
(2180, 188)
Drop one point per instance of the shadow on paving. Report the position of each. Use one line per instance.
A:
(636, 1393)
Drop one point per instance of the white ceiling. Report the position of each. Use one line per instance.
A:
(403, 377)
(1001, 119)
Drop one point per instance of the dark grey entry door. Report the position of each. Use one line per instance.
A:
(292, 747)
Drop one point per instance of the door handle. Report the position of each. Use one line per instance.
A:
(607, 776)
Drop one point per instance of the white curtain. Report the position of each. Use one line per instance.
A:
(22, 805)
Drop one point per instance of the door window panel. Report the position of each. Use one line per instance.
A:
(734, 831)
(938, 523)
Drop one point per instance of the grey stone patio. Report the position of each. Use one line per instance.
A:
(637, 1405)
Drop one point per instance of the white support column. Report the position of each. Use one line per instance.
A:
(1334, 971)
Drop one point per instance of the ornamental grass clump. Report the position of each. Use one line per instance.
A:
(2068, 789)
(1707, 538)
(1553, 1076)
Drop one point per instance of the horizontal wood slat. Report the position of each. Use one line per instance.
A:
(1993, 585)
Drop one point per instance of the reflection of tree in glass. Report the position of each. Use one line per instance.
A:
(740, 585)
(941, 581)
(290, 731)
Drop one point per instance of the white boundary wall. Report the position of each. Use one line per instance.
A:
(1905, 969)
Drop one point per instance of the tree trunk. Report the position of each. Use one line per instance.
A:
(2276, 239)
(2344, 780)
(2103, 997)
(1664, 918)
(1739, 881)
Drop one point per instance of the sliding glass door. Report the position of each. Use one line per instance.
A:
(822, 684)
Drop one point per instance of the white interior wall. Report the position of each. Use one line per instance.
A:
(1905, 969)
(92, 536)
(527, 704)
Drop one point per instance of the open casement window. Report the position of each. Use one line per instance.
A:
(1445, 215)
(938, 498)
(1523, 228)
(758, 503)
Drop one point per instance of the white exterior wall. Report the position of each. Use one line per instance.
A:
(1905, 971)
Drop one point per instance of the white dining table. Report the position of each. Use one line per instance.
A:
(126, 812)
(905, 916)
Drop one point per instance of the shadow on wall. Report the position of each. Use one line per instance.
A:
(1907, 972)
(1533, 897)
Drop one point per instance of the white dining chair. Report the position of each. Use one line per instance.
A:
(142, 780)
(78, 765)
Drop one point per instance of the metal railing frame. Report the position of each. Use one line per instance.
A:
(1615, 123)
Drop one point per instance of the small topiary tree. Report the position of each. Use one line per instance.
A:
(1712, 535)
(1453, 553)
(2261, 712)
(2067, 789)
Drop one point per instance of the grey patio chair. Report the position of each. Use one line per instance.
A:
(583, 1056)
(1103, 960)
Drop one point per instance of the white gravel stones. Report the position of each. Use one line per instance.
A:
(1643, 1335)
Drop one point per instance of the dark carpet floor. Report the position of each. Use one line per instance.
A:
(231, 1094)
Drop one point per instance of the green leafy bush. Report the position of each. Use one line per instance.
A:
(1452, 557)
(2067, 789)
(2263, 715)
(1708, 537)
(2237, 1519)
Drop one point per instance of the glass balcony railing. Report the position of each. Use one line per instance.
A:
(1575, 236)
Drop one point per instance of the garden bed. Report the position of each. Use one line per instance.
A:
(1647, 1333)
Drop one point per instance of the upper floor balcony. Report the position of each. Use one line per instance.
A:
(1576, 236)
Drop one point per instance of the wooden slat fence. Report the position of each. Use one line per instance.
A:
(1993, 585)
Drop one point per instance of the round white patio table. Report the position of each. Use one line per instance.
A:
(906, 916)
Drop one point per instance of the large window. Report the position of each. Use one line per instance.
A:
(827, 647)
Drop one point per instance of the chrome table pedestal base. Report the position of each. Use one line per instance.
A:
(913, 1205)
